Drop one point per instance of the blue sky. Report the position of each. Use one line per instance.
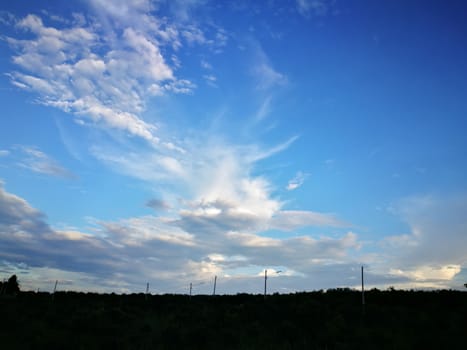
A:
(175, 141)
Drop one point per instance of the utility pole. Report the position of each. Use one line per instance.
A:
(191, 287)
(147, 291)
(265, 282)
(363, 289)
(55, 289)
(215, 280)
(3, 286)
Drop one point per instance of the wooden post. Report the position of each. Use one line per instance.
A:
(265, 282)
(191, 287)
(147, 291)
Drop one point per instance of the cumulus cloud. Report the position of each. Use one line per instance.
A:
(433, 252)
(438, 224)
(111, 254)
(27, 238)
(220, 192)
(153, 248)
(76, 70)
(105, 70)
(202, 240)
(17, 212)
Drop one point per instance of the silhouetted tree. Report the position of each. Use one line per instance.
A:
(465, 285)
(11, 286)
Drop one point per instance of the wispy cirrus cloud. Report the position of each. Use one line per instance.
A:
(309, 8)
(210, 79)
(264, 109)
(266, 76)
(39, 162)
(35, 160)
(297, 181)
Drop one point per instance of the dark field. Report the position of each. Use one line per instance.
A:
(315, 320)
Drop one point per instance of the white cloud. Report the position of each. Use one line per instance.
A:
(223, 212)
(126, 14)
(33, 159)
(297, 181)
(4, 152)
(206, 65)
(438, 225)
(182, 86)
(104, 73)
(142, 230)
(219, 192)
(157, 204)
(183, 9)
(16, 211)
(429, 274)
(7, 18)
(153, 64)
(309, 8)
(266, 76)
(194, 35)
(289, 220)
(149, 166)
(210, 80)
(264, 109)
(258, 154)
(121, 254)
(434, 251)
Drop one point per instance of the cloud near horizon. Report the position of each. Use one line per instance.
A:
(201, 243)
(196, 245)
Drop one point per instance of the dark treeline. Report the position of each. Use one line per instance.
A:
(334, 319)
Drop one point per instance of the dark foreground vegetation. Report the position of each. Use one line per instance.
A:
(315, 320)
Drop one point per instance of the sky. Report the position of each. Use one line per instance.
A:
(169, 142)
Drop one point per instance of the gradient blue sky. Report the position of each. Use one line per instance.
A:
(172, 141)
